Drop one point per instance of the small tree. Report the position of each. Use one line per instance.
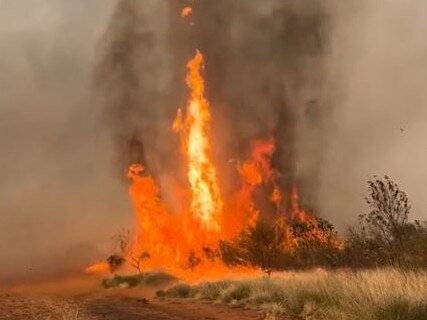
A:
(260, 245)
(125, 242)
(390, 208)
(316, 243)
(286, 244)
(137, 261)
(385, 236)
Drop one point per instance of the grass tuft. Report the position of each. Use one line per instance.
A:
(402, 309)
(367, 295)
(178, 291)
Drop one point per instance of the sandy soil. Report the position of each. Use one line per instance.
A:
(74, 300)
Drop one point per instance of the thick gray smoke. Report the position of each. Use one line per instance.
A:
(290, 69)
(264, 71)
(132, 77)
(89, 86)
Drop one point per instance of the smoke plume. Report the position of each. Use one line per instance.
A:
(264, 68)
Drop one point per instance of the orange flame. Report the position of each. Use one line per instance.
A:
(206, 202)
(101, 267)
(185, 243)
(186, 11)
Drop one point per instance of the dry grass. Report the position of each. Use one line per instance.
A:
(368, 295)
(38, 308)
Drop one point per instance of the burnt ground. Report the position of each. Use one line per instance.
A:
(119, 304)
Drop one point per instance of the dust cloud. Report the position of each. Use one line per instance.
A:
(59, 202)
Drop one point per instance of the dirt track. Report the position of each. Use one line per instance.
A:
(111, 306)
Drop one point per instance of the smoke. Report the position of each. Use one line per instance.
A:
(270, 60)
(378, 86)
(315, 74)
(132, 77)
(264, 75)
(59, 202)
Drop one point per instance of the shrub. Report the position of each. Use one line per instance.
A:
(123, 281)
(156, 279)
(153, 279)
(384, 235)
(292, 243)
(181, 290)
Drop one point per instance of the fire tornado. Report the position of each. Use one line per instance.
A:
(206, 202)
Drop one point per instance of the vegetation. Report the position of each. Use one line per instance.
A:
(367, 295)
(295, 243)
(377, 272)
(125, 241)
(149, 279)
(384, 237)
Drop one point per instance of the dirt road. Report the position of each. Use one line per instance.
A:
(111, 306)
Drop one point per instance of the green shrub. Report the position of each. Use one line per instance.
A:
(178, 291)
(153, 279)
(125, 281)
(240, 292)
(156, 279)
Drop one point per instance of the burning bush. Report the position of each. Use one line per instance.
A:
(288, 243)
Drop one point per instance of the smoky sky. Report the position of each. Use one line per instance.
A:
(378, 82)
(87, 87)
(264, 75)
(59, 203)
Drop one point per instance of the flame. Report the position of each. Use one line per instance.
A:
(258, 169)
(314, 232)
(206, 202)
(101, 267)
(296, 211)
(186, 11)
(254, 172)
(185, 243)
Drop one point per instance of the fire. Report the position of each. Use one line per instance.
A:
(101, 267)
(296, 211)
(186, 11)
(259, 171)
(185, 243)
(206, 202)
